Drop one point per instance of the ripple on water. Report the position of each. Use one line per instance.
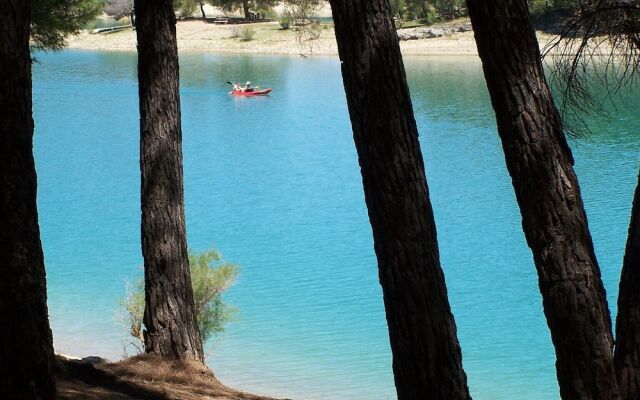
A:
(274, 184)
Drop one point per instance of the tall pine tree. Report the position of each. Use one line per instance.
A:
(553, 218)
(26, 349)
(169, 316)
(427, 360)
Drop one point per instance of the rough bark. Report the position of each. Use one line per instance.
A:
(26, 349)
(627, 351)
(427, 361)
(247, 12)
(169, 316)
(553, 218)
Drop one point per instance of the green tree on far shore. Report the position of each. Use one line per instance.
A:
(427, 11)
(119, 9)
(541, 7)
(247, 6)
(186, 8)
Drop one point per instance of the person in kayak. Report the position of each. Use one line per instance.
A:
(248, 87)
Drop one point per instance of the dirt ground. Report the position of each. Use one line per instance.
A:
(142, 377)
(268, 38)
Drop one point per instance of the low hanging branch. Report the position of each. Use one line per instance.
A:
(599, 46)
(300, 13)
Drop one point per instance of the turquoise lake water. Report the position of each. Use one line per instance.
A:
(274, 184)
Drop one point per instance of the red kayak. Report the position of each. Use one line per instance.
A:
(262, 92)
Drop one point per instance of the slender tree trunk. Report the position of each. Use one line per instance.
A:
(427, 360)
(169, 317)
(26, 349)
(132, 19)
(247, 12)
(553, 218)
(627, 351)
(204, 15)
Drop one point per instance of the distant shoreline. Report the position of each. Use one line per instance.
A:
(268, 38)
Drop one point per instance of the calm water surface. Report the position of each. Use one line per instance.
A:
(274, 184)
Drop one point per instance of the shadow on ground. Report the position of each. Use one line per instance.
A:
(142, 377)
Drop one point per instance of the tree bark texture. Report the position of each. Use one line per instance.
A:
(169, 318)
(553, 218)
(26, 349)
(627, 351)
(427, 360)
(247, 12)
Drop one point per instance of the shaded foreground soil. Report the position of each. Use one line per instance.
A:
(142, 377)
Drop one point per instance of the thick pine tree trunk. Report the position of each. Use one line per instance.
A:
(26, 349)
(169, 316)
(427, 361)
(247, 12)
(553, 218)
(627, 351)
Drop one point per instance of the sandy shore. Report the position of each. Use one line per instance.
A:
(198, 36)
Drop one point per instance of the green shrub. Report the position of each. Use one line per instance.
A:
(247, 33)
(268, 13)
(285, 22)
(210, 277)
(132, 308)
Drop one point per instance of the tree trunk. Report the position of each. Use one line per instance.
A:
(26, 349)
(553, 218)
(627, 351)
(204, 15)
(247, 12)
(169, 317)
(427, 360)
